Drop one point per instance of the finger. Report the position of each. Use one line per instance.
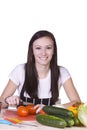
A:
(38, 110)
(8, 100)
(17, 101)
(36, 106)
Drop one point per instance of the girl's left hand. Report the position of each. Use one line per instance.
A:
(39, 107)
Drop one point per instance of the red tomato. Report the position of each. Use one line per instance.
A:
(22, 111)
(31, 109)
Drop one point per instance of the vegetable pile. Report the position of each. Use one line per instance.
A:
(76, 115)
(57, 117)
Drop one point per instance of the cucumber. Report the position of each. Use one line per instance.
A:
(52, 121)
(51, 110)
(76, 121)
(69, 120)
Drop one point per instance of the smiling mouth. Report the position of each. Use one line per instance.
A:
(43, 58)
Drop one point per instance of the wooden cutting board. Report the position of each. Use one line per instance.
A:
(13, 114)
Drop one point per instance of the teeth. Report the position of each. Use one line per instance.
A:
(43, 58)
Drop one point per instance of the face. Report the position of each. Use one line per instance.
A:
(43, 51)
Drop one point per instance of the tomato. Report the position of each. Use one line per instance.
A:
(22, 111)
(31, 109)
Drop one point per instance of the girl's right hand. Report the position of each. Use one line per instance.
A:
(12, 100)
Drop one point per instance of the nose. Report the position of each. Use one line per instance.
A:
(43, 51)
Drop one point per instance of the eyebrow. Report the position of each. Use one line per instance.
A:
(45, 45)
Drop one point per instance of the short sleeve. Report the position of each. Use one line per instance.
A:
(17, 74)
(64, 75)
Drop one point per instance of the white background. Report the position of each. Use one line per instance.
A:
(66, 19)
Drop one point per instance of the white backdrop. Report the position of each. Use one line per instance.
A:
(66, 19)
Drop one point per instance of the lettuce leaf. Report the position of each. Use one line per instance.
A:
(82, 114)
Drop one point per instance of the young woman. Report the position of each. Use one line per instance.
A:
(38, 80)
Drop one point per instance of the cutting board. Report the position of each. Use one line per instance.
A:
(13, 114)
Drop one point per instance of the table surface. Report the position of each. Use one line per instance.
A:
(39, 126)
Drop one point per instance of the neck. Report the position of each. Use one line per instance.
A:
(42, 71)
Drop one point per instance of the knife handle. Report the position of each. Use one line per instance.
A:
(20, 103)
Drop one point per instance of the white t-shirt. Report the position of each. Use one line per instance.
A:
(18, 77)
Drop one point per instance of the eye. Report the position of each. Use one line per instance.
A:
(49, 47)
(38, 48)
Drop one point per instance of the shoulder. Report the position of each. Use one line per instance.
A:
(17, 74)
(63, 70)
(19, 69)
(20, 66)
(64, 74)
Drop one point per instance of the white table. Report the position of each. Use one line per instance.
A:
(40, 127)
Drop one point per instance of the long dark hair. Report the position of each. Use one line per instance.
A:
(31, 76)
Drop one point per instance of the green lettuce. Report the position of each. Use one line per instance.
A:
(82, 114)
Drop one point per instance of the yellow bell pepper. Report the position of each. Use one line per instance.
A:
(74, 109)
